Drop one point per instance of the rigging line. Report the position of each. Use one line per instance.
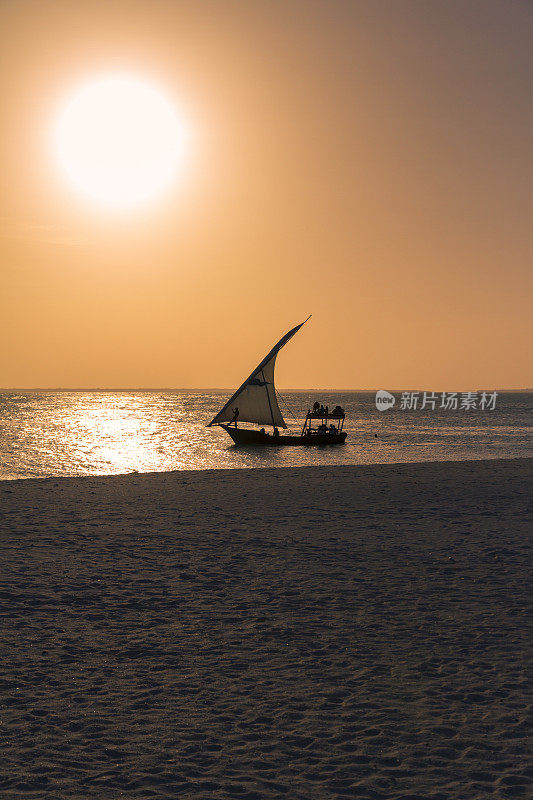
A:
(286, 405)
(290, 408)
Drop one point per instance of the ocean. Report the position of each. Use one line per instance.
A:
(61, 433)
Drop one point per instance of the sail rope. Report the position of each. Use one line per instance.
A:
(290, 413)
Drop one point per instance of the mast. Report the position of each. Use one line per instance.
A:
(268, 398)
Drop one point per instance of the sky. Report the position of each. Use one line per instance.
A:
(369, 163)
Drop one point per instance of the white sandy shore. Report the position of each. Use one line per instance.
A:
(301, 633)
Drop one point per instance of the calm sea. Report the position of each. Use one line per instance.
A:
(46, 434)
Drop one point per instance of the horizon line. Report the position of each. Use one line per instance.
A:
(228, 389)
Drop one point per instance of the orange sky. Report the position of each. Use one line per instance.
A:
(366, 162)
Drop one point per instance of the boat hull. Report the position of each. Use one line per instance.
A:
(246, 436)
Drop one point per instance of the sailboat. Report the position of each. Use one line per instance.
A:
(255, 401)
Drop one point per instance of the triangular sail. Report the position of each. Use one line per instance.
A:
(256, 398)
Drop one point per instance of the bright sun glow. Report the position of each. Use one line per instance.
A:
(119, 141)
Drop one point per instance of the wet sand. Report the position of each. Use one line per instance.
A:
(298, 633)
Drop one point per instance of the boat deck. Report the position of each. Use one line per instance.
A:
(247, 436)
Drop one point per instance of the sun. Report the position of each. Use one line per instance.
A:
(119, 141)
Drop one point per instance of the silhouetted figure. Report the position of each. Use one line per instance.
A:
(326, 410)
(276, 432)
(235, 417)
(316, 407)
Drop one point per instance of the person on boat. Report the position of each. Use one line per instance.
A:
(332, 430)
(276, 432)
(316, 407)
(235, 417)
(321, 409)
(326, 410)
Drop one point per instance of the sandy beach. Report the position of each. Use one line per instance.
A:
(301, 633)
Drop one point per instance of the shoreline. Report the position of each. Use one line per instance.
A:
(288, 469)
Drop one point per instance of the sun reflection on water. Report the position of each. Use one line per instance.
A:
(102, 433)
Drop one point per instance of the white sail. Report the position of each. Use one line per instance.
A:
(256, 398)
